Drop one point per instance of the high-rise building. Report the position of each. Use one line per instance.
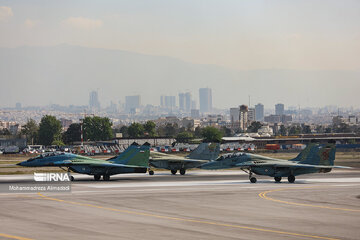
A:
(18, 105)
(182, 101)
(94, 103)
(259, 112)
(162, 101)
(205, 96)
(251, 115)
(243, 117)
(195, 114)
(170, 102)
(235, 117)
(187, 102)
(132, 103)
(279, 109)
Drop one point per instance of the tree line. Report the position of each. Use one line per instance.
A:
(49, 131)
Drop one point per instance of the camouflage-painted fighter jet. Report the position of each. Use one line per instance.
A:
(204, 153)
(135, 159)
(314, 158)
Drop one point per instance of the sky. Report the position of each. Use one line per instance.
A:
(234, 34)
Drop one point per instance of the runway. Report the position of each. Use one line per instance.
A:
(199, 205)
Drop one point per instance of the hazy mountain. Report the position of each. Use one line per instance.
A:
(66, 74)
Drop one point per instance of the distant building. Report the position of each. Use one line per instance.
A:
(259, 112)
(94, 103)
(251, 115)
(132, 103)
(244, 117)
(195, 113)
(235, 117)
(188, 102)
(170, 102)
(18, 106)
(279, 109)
(182, 101)
(193, 105)
(272, 119)
(278, 118)
(205, 95)
(65, 123)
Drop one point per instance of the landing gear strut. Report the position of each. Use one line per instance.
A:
(277, 179)
(182, 171)
(97, 177)
(173, 172)
(151, 172)
(291, 178)
(252, 179)
(106, 177)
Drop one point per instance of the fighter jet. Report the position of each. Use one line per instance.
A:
(135, 159)
(314, 158)
(204, 153)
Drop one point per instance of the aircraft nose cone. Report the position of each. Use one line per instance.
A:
(19, 164)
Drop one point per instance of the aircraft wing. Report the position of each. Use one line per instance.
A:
(166, 157)
(287, 164)
(105, 165)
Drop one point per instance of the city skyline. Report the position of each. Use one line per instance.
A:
(299, 53)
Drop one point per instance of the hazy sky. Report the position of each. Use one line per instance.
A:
(238, 34)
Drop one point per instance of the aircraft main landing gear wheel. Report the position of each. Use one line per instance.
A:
(253, 180)
(97, 177)
(182, 171)
(173, 172)
(151, 172)
(72, 178)
(277, 179)
(106, 177)
(291, 178)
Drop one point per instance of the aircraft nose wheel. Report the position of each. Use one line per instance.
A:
(151, 172)
(291, 178)
(277, 179)
(182, 171)
(106, 177)
(173, 172)
(253, 180)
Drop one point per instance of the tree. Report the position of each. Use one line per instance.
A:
(211, 134)
(226, 131)
(136, 130)
(170, 130)
(254, 127)
(5, 131)
(97, 128)
(306, 129)
(124, 131)
(149, 128)
(49, 130)
(31, 131)
(184, 137)
(197, 132)
(58, 143)
(283, 130)
(72, 134)
(294, 130)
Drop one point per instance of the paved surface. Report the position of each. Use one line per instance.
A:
(199, 205)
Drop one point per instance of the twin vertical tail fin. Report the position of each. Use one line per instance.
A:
(134, 155)
(316, 154)
(205, 151)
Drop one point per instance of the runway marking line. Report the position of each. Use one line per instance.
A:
(13, 237)
(264, 196)
(186, 219)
